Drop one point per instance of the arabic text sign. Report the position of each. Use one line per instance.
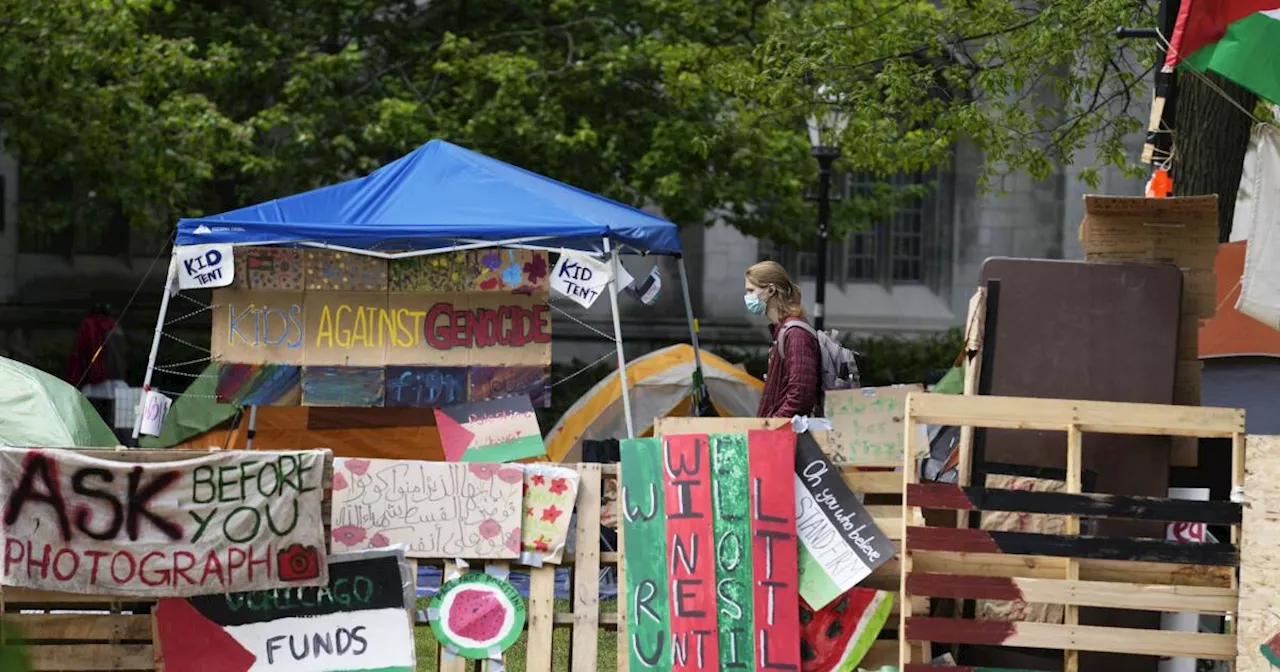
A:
(435, 509)
(226, 522)
(358, 621)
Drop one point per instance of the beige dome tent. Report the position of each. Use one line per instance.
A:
(662, 383)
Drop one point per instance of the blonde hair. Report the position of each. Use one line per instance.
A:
(786, 300)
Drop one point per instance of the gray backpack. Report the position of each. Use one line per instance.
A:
(839, 364)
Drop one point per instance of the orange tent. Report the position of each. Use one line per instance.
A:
(391, 433)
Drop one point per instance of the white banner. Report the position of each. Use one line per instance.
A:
(205, 266)
(227, 522)
(1257, 219)
(580, 277)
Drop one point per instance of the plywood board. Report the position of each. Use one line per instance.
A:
(347, 328)
(1259, 620)
(866, 424)
(258, 327)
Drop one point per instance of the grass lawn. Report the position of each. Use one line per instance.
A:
(515, 661)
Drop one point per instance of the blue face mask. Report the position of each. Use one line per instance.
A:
(754, 305)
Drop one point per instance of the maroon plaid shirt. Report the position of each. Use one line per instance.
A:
(793, 385)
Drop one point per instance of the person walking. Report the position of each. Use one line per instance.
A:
(793, 384)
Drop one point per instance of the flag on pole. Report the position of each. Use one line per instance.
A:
(1238, 39)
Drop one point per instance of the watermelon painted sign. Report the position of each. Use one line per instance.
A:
(477, 616)
(220, 523)
(498, 430)
(840, 544)
(434, 509)
(838, 636)
(723, 591)
(358, 621)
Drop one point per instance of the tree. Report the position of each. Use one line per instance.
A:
(1211, 137)
(162, 110)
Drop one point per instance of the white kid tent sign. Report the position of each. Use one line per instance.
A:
(441, 198)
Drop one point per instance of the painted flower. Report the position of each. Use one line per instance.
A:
(491, 283)
(558, 486)
(551, 513)
(379, 540)
(492, 261)
(339, 482)
(482, 470)
(513, 475)
(540, 544)
(536, 269)
(513, 540)
(349, 535)
(357, 467)
(490, 529)
(538, 479)
(528, 511)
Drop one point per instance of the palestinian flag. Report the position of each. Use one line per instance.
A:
(1238, 39)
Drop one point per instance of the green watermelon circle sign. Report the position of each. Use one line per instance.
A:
(477, 616)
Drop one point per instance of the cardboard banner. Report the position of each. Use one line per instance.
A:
(205, 266)
(695, 644)
(549, 496)
(227, 522)
(774, 569)
(866, 424)
(732, 528)
(498, 430)
(840, 543)
(435, 509)
(643, 509)
(724, 590)
(358, 621)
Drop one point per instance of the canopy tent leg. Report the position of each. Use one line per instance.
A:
(617, 340)
(253, 428)
(169, 280)
(688, 313)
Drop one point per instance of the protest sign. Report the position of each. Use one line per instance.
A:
(477, 616)
(840, 544)
(866, 424)
(435, 509)
(330, 270)
(358, 621)
(219, 523)
(549, 494)
(498, 430)
(723, 591)
(205, 266)
(269, 269)
(154, 407)
(580, 277)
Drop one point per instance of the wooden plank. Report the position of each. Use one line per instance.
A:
(731, 529)
(1042, 567)
(448, 662)
(1082, 637)
(619, 616)
(872, 482)
(489, 665)
(40, 627)
(1071, 614)
(883, 652)
(542, 605)
(608, 621)
(774, 550)
(642, 509)
(586, 571)
(1086, 505)
(913, 447)
(25, 596)
(1259, 619)
(1089, 416)
(90, 657)
(1103, 594)
(1068, 546)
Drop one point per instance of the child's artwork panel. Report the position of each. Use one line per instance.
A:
(435, 509)
(434, 273)
(332, 271)
(508, 270)
(269, 269)
(426, 386)
(259, 384)
(258, 327)
(343, 386)
(549, 495)
(491, 382)
(644, 523)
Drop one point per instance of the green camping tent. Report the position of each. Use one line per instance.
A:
(193, 413)
(41, 411)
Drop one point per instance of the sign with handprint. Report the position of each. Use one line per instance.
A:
(435, 509)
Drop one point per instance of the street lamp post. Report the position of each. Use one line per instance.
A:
(825, 127)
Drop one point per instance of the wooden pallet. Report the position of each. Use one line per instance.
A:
(118, 635)
(886, 485)
(1071, 570)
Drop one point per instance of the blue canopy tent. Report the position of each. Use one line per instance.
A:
(442, 198)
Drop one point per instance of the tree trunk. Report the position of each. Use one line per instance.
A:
(1210, 139)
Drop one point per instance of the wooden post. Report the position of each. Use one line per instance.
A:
(1071, 612)
(624, 659)
(586, 571)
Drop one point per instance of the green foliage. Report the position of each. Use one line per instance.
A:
(153, 110)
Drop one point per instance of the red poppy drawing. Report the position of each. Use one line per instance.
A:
(513, 540)
(490, 529)
(535, 269)
(483, 471)
(540, 544)
(558, 486)
(339, 482)
(513, 475)
(349, 535)
(379, 540)
(491, 283)
(538, 479)
(551, 513)
(528, 511)
(357, 467)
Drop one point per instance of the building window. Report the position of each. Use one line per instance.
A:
(905, 248)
